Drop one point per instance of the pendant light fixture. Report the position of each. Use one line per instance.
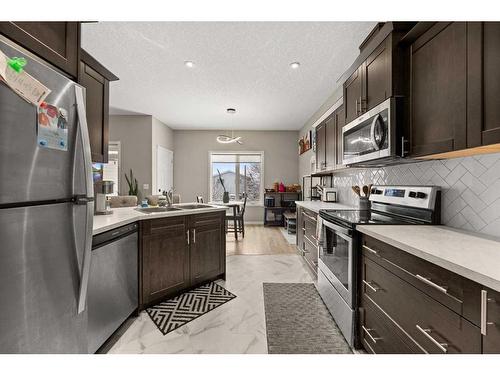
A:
(226, 139)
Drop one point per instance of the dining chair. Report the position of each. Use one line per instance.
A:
(240, 220)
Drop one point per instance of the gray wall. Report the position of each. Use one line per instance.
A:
(191, 150)
(134, 133)
(139, 137)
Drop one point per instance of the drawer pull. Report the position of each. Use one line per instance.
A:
(443, 346)
(368, 333)
(370, 250)
(484, 312)
(370, 285)
(428, 281)
(311, 241)
(309, 217)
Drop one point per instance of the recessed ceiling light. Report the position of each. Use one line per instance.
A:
(295, 65)
(189, 64)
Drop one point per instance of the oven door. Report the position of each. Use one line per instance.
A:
(369, 136)
(336, 258)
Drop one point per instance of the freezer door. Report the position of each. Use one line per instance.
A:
(29, 172)
(40, 280)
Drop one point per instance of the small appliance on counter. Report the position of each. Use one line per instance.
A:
(327, 194)
(102, 188)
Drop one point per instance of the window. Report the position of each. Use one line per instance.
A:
(241, 173)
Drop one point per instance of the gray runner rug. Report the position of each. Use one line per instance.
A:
(298, 322)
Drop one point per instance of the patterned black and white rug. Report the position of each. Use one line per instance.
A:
(174, 313)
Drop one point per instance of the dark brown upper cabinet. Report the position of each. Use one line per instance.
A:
(454, 88)
(379, 72)
(331, 141)
(439, 89)
(339, 123)
(56, 42)
(483, 89)
(95, 78)
(321, 146)
(353, 95)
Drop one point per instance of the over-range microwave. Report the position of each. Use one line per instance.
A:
(377, 137)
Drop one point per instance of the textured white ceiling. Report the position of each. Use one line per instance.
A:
(244, 65)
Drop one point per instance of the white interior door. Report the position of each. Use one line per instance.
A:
(164, 169)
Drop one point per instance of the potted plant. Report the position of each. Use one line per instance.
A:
(225, 196)
(133, 188)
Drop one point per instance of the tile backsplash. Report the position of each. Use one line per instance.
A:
(470, 188)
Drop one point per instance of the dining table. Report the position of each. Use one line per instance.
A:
(235, 205)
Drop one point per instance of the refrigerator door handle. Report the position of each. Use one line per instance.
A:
(83, 134)
(87, 254)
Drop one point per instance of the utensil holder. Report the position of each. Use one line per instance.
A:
(364, 203)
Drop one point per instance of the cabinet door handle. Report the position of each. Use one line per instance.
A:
(484, 312)
(371, 285)
(194, 235)
(368, 332)
(429, 282)
(443, 346)
(370, 250)
(309, 217)
(403, 143)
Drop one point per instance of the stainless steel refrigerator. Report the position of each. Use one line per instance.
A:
(46, 210)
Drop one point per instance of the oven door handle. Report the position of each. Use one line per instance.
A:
(337, 228)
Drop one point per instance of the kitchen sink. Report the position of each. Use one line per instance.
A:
(151, 210)
(193, 206)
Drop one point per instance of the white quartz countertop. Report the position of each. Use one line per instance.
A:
(318, 205)
(127, 215)
(474, 257)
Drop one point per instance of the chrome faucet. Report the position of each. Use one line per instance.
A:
(170, 197)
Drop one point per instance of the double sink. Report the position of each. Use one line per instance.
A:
(194, 206)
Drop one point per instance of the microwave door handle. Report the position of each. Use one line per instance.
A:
(376, 146)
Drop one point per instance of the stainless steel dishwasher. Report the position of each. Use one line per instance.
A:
(113, 284)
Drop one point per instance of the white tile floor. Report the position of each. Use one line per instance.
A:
(235, 327)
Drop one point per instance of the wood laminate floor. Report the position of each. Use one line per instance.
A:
(259, 240)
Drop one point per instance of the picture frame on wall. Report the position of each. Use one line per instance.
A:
(305, 142)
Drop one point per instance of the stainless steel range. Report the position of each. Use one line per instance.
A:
(338, 243)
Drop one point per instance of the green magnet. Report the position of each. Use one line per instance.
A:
(17, 63)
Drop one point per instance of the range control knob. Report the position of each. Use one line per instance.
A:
(376, 191)
(420, 195)
(412, 194)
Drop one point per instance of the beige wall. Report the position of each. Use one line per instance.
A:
(161, 135)
(191, 150)
(139, 137)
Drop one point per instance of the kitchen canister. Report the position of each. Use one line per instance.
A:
(364, 203)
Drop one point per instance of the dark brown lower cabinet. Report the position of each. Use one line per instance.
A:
(306, 237)
(207, 252)
(409, 305)
(491, 331)
(164, 258)
(177, 253)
